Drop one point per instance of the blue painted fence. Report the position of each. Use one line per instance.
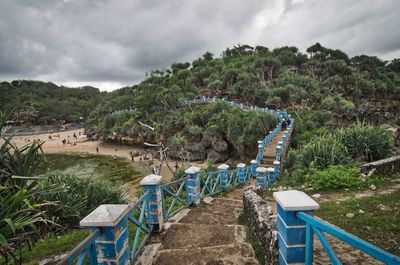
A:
(319, 227)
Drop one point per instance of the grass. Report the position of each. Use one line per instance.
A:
(56, 245)
(51, 246)
(377, 226)
(103, 167)
(380, 180)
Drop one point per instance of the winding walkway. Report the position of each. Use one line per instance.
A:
(208, 235)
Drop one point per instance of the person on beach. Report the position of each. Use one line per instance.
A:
(97, 150)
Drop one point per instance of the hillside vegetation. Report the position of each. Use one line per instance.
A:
(322, 89)
(38, 102)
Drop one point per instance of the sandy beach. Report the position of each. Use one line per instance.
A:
(53, 144)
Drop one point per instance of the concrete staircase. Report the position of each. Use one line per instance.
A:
(269, 152)
(207, 235)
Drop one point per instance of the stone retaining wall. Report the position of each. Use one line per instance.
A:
(262, 223)
(384, 165)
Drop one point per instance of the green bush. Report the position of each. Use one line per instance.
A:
(333, 177)
(339, 105)
(322, 152)
(74, 197)
(366, 142)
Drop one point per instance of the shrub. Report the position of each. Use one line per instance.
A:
(339, 105)
(74, 197)
(366, 142)
(322, 152)
(333, 177)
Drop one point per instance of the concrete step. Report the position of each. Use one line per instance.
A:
(187, 236)
(212, 216)
(218, 255)
(205, 245)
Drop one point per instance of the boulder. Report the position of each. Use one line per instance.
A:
(197, 151)
(219, 145)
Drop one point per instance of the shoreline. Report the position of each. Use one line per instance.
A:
(84, 146)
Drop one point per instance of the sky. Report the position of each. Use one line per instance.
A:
(110, 44)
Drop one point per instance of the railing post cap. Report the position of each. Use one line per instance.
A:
(151, 180)
(261, 170)
(192, 170)
(241, 165)
(276, 162)
(294, 200)
(271, 169)
(223, 167)
(105, 215)
(253, 161)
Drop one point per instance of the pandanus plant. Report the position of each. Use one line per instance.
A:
(19, 214)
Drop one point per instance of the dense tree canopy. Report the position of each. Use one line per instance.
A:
(47, 102)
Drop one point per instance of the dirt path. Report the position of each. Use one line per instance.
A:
(361, 194)
(207, 235)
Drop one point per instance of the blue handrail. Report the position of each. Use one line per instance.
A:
(81, 251)
(175, 190)
(209, 184)
(319, 227)
(141, 222)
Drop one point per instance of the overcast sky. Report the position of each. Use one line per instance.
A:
(109, 44)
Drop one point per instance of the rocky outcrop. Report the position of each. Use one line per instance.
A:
(197, 150)
(262, 223)
(217, 157)
(219, 145)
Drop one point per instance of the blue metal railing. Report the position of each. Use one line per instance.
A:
(209, 184)
(174, 197)
(85, 249)
(205, 100)
(138, 216)
(314, 225)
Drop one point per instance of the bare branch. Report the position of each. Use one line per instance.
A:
(145, 125)
(149, 144)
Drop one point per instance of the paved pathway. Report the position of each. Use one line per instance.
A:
(208, 235)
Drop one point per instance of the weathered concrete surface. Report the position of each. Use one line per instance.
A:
(200, 236)
(208, 235)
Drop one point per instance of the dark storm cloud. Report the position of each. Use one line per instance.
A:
(111, 43)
